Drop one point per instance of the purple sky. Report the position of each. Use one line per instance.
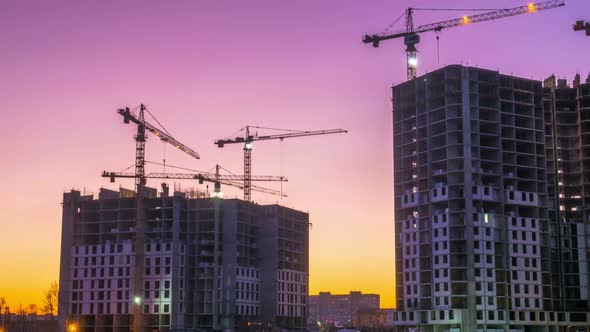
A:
(206, 69)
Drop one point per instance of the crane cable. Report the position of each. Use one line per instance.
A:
(390, 26)
(178, 167)
(158, 122)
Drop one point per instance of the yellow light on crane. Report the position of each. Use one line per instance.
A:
(532, 7)
(465, 20)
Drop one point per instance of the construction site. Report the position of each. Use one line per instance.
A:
(491, 209)
(149, 260)
(491, 212)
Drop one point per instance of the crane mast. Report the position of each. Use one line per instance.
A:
(140, 181)
(248, 138)
(140, 150)
(412, 38)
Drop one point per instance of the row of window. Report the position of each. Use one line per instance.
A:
(526, 302)
(121, 248)
(156, 308)
(161, 271)
(100, 308)
(525, 249)
(441, 259)
(292, 288)
(442, 232)
(411, 249)
(443, 191)
(441, 300)
(528, 275)
(247, 286)
(523, 222)
(487, 231)
(411, 237)
(524, 289)
(409, 224)
(292, 298)
(248, 273)
(292, 276)
(523, 196)
(102, 272)
(101, 283)
(489, 288)
(478, 259)
(290, 310)
(441, 273)
(410, 261)
(247, 310)
(477, 245)
(491, 315)
(441, 286)
(442, 218)
(102, 249)
(247, 296)
(103, 260)
(526, 262)
(158, 261)
(155, 294)
(100, 296)
(524, 236)
(490, 300)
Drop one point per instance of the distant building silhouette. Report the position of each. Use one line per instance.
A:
(338, 309)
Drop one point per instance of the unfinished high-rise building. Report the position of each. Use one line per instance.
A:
(210, 264)
(567, 133)
(474, 218)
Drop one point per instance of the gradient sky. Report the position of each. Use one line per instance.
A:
(208, 68)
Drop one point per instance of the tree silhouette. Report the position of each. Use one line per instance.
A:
(3, 309)
(50, 299)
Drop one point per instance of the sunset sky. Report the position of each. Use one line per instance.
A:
(207, 69)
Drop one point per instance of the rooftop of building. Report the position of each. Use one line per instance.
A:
(351, 293)
(189, 193)
(549, 82)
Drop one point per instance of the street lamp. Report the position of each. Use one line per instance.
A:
(137, 299)
(72, 327)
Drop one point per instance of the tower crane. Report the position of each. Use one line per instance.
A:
(140, 181)
(250, 137)
(140, 139)
(216, 178)
(411, 35)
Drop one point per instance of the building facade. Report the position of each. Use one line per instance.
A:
(567, 132)
(473, 206)
(208, 264)
(337, 309)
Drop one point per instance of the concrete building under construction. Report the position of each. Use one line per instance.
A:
(210, 264)
(492, 222)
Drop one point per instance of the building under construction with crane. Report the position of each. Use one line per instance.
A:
(139, 260)
(491, 223)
